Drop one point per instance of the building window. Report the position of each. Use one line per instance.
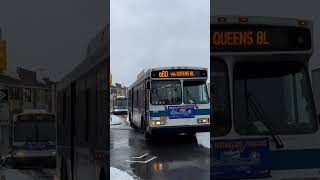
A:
(46, 98)
(14, 93)
(41, 96)
(27, 95)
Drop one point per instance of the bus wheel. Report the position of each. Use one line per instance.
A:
(146, 134)
(102, 175)
(64, 174)
(14, 164)
(130, 122)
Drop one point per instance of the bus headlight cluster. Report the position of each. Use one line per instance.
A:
(19, 153)
(157, 123)
(203, 120)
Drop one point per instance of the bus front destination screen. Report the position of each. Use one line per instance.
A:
(253, 38)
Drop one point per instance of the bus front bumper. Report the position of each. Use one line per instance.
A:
(25, 160)
(180, 129)
(120, 112)
(47, 161)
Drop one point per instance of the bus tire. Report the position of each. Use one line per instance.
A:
(14, 164)
(146, 134)
(102, 175)
(130, 122)
(64, 174)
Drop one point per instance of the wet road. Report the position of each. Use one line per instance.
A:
(27, 174)
(178, 157)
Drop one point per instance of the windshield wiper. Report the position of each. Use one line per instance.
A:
(259, 114)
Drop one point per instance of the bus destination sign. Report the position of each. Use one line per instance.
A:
(255, 38)
(178, 73)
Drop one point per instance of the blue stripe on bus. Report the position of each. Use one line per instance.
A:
(295, 159)
(165, 113)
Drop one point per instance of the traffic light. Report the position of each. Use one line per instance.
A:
(3, 56)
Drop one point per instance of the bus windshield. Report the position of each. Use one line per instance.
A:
(195, 92)
(34, 128)
(278, 94)
(166, 92)
(120, 103)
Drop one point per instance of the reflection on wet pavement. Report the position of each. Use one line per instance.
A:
(166, 157)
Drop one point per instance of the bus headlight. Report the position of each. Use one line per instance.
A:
(203, 120)
(19, 153)
(154, 123)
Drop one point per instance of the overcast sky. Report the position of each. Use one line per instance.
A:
(155, 33)
(277, 8)
(51, 35)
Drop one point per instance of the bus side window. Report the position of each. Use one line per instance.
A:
(137, 98)
(64, 113)
(87, 101)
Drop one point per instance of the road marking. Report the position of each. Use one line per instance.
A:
(139, 157)
(115, 144)
(144, 162)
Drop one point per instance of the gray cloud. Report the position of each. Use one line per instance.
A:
(148, 34)
(50, 34)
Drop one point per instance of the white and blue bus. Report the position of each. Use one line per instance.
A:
(120, 105)
(170, 100)
(265, 122)
(34, 139)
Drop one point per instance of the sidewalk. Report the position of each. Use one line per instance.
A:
(117, 174)
(115, 120)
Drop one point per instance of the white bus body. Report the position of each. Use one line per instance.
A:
(120, 105)
(165, 105)
(34, 139)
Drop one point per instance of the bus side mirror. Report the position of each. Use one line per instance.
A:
(148, 86)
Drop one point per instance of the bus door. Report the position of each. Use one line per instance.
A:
(147, 100)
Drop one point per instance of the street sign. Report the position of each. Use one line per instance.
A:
(3, 56)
